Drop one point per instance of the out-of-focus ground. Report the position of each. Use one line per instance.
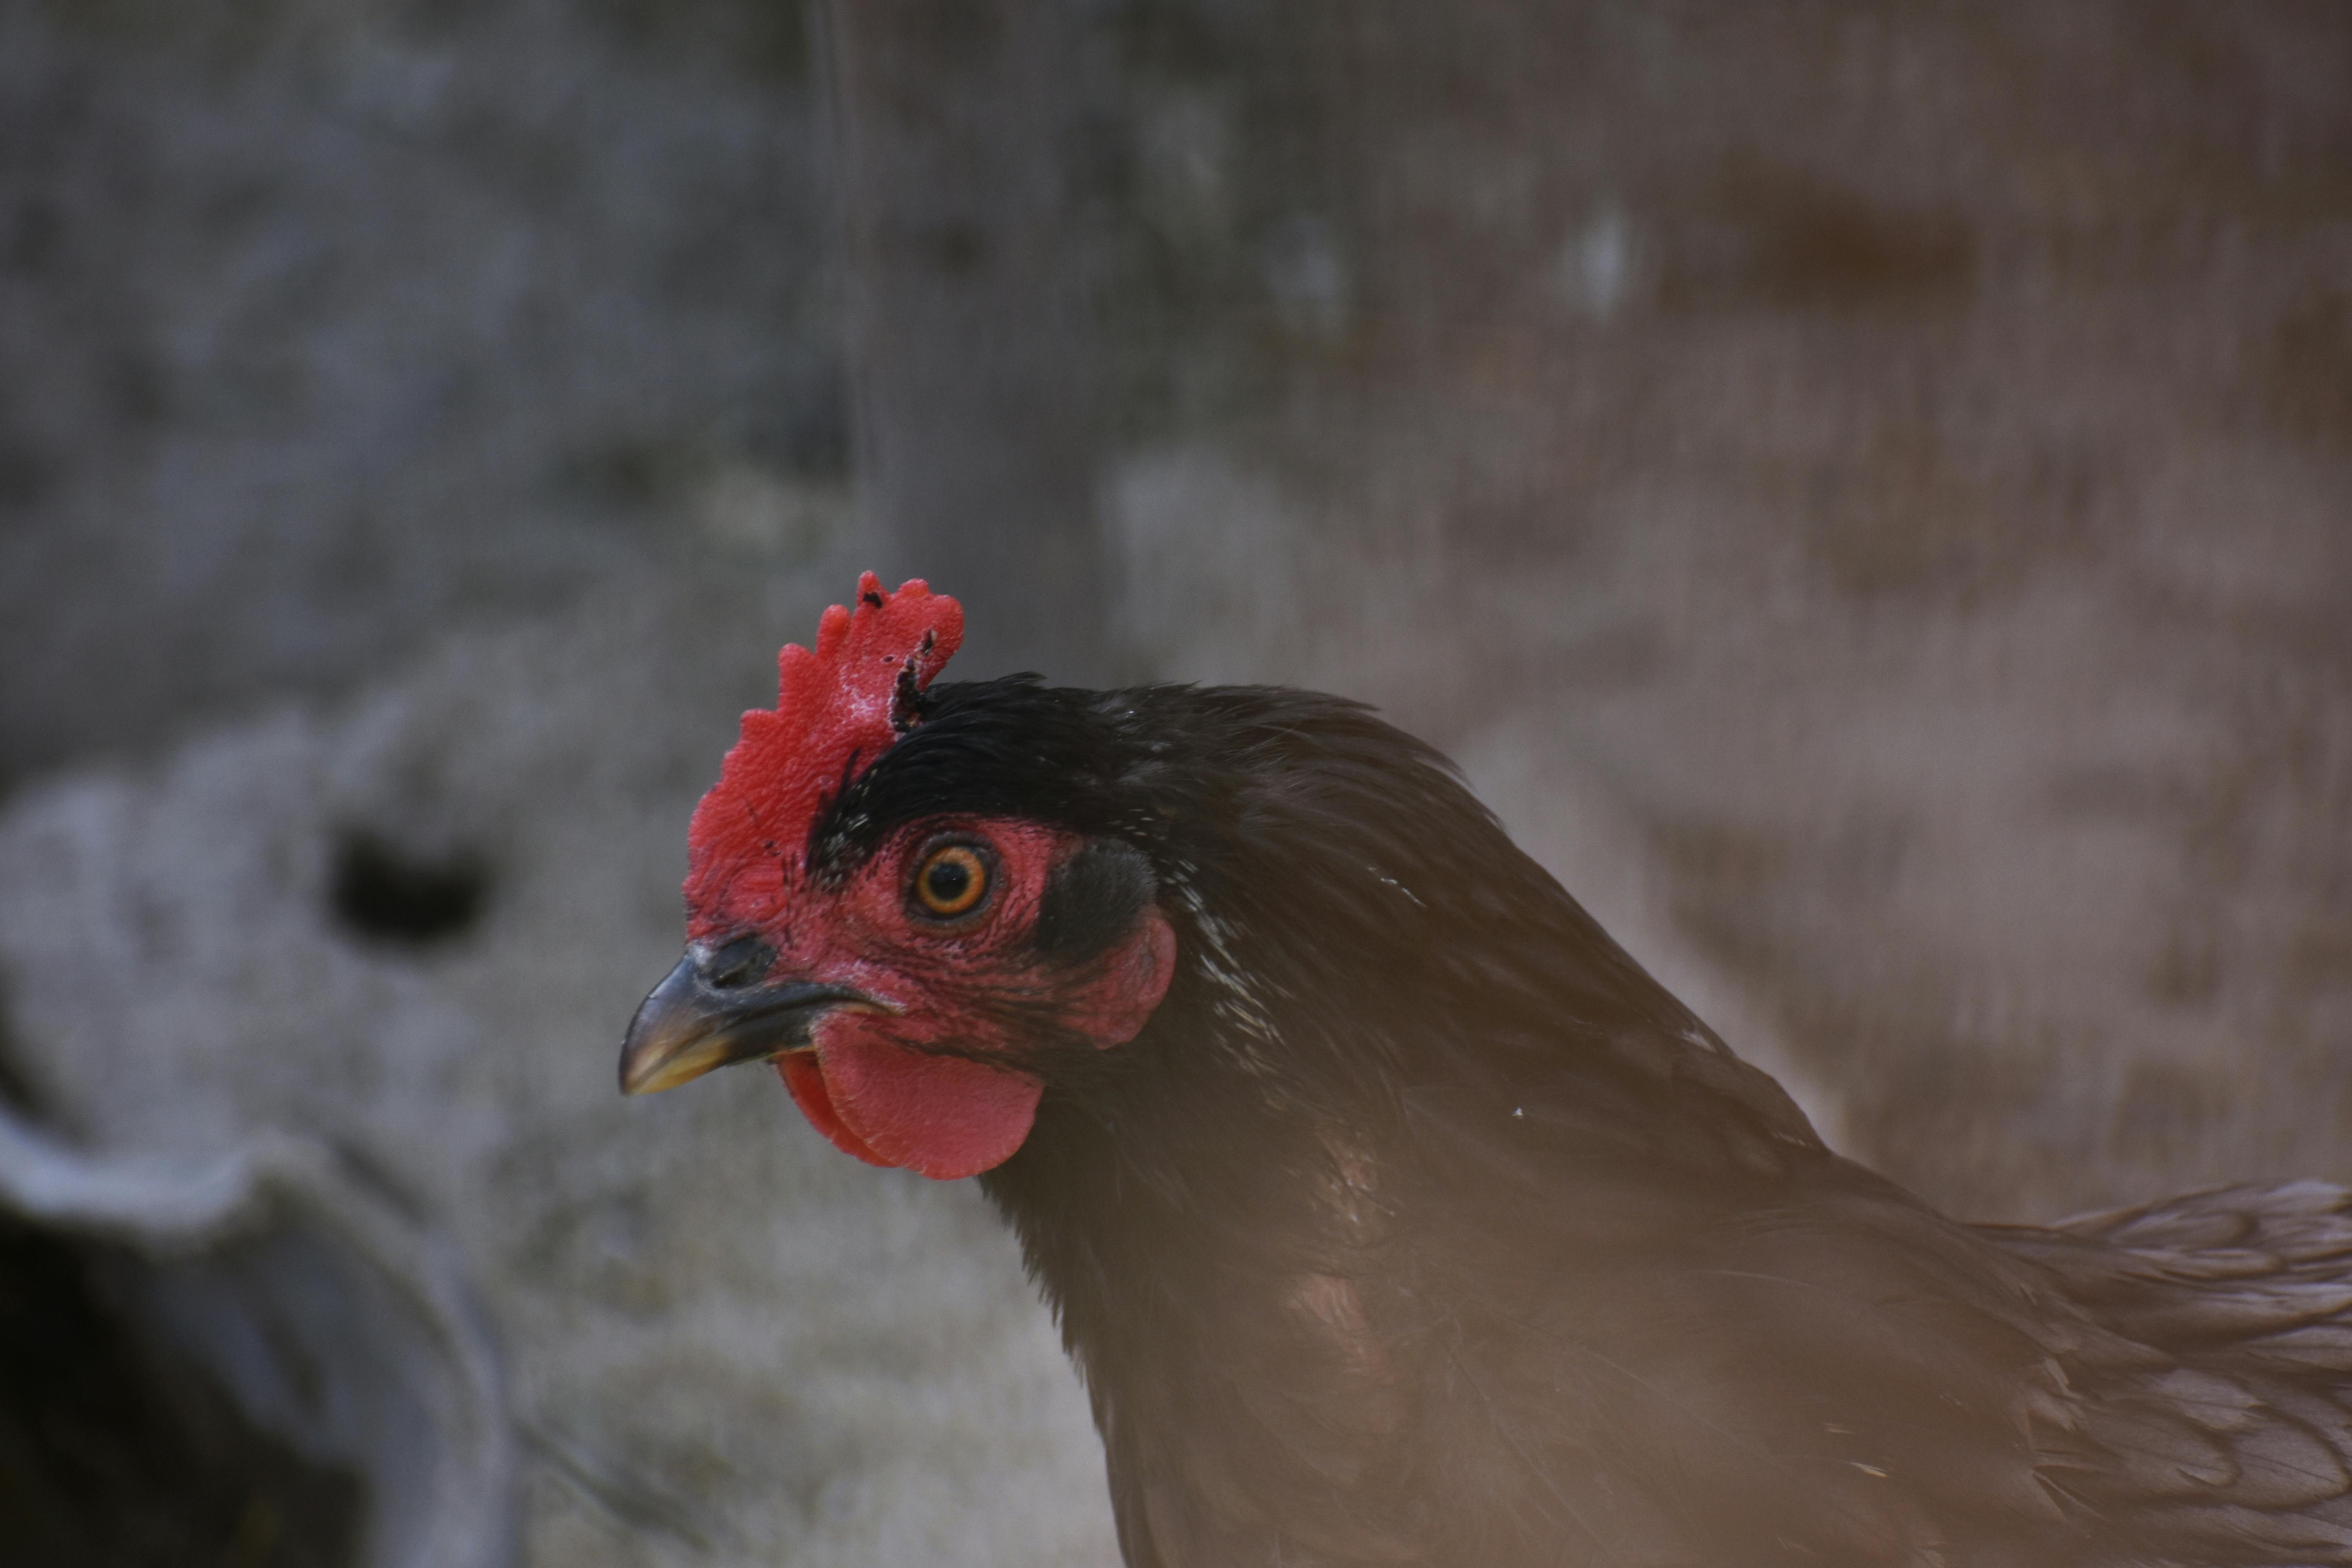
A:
(1860, 490)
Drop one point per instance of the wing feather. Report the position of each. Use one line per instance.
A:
(2217, 1390)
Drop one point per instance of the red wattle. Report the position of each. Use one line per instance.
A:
(944, 1117)
(805, 1079)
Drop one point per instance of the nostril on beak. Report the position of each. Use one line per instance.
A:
(736, 963)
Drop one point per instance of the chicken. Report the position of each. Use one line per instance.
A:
(1393, 1213)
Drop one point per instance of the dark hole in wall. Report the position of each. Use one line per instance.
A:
(111, 1457)
(384, 894)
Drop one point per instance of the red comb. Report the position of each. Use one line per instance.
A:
(836, 710)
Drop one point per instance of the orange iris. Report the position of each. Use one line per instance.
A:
(952, 882)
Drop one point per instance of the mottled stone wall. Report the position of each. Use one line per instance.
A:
(1900, 454)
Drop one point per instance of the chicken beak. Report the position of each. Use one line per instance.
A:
(687, 1027)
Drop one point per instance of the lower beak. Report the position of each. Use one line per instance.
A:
(685, 1027)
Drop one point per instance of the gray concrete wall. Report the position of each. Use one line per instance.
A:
(325, 327)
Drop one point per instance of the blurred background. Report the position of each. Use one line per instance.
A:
(1862, 488)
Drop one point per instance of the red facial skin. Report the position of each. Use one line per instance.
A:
(875, 1082)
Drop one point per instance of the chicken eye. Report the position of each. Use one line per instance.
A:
(952, 882)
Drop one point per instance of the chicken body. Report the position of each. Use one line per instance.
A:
(1408, 1221)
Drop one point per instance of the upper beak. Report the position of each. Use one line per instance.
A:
(685, 1027)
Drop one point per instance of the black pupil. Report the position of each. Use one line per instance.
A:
(948, 880)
